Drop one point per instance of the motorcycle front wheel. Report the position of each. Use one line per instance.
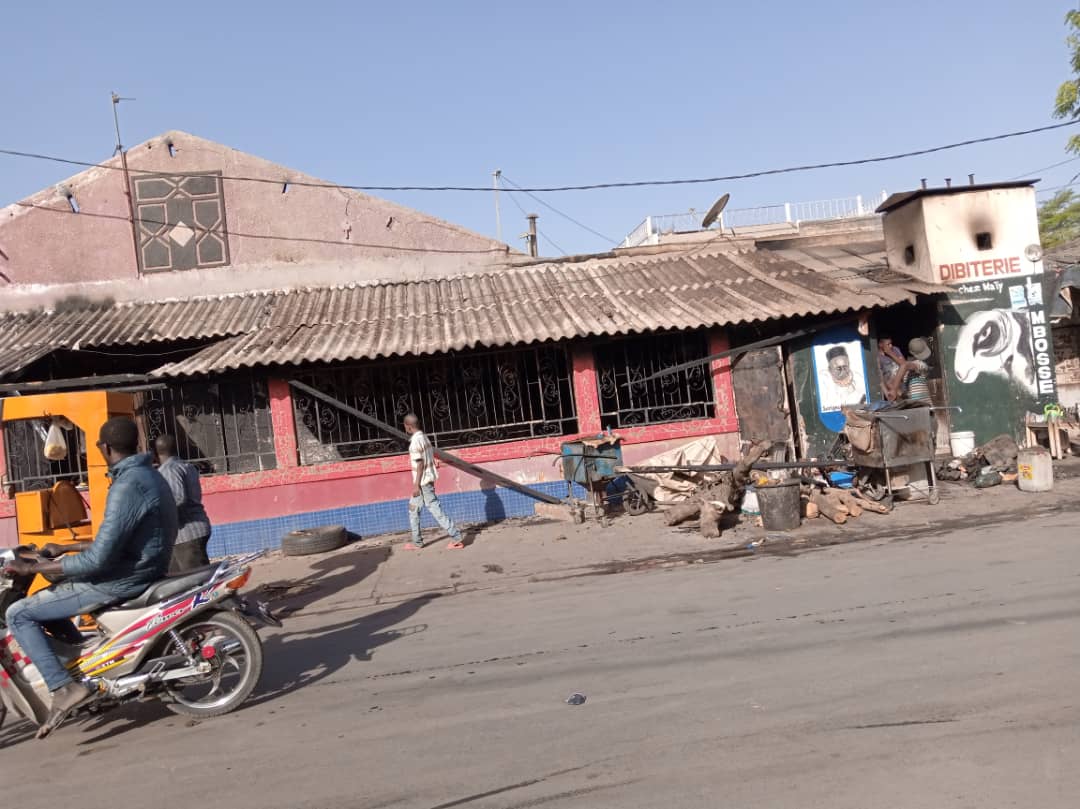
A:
(237, 666)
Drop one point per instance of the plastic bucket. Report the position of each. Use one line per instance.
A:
(780, 505)
(1034, 470)
(962, 443)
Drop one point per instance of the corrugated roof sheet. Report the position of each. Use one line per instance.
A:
(134, 323)
(535, 303)
(15, 359)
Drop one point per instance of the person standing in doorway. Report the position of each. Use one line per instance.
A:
(918, 384)
(894, 368)
(424, 475)
(189, 552)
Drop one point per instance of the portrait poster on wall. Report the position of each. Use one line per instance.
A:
(839, 374)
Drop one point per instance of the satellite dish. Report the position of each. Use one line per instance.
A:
(715, 210)
(1033, 253)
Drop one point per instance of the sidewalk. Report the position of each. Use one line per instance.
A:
(519, 553)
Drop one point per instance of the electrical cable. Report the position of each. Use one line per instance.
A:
(583, 187)
(513, 199)
(565, 216)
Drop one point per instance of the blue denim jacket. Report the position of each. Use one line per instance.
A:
(134, 544)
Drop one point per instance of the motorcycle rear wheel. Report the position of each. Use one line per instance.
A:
(236, 670)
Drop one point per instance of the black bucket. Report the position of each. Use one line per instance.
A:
(781, 505)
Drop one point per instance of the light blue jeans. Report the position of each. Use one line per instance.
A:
(428, 498)
(51, 607)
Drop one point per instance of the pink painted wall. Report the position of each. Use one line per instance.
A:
(292, 489)
(351, 236)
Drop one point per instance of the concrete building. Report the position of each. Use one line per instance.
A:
(389, 310)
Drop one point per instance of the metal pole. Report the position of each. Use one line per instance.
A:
(533, 250)
(127, 177)
(495, 177)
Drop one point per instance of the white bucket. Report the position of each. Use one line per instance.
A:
(962, 443)
(1035, 470)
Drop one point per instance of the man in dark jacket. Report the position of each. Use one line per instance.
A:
(130, 552)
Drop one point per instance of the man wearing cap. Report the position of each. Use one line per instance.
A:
(842, 385)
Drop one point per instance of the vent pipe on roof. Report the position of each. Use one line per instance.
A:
(923, 182)
(948, 182)
(971, 179)
(531, 235)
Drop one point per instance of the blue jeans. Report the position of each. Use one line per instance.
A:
(427, 498)
(50, 607)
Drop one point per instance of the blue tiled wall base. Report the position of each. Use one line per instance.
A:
(486, 505)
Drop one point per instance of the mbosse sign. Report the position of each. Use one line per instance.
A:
(973, 270)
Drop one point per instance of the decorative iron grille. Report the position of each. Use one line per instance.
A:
(626, 400)
(222, 426)
(181, 219)
(475, 398)
(27, 467)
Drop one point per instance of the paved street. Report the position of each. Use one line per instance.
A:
(933, 669)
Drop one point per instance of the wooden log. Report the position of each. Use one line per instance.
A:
(811, 510)
(829, 508)
(867, 504)
(710, 520)
(854, 508)
(691, 509)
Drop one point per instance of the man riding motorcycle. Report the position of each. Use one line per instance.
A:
(130, 552)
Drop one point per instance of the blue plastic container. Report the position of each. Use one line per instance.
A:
(842, 480)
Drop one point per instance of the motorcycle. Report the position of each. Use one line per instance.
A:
(188, 641)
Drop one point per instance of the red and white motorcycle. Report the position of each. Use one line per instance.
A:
(188, 641)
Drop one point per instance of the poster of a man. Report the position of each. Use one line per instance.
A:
(841, 379)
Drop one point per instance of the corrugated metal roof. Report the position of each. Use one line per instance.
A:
(558, 301)
(15, 359)
(135, 323)
(535, 303)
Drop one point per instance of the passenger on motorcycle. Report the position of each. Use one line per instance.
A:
(130, 552)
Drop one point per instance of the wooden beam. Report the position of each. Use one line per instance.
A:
(111, 381)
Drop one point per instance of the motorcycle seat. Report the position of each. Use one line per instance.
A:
(168, 587)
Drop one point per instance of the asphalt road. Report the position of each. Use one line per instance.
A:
(929, 671)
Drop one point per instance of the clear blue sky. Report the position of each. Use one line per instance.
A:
(550, 92)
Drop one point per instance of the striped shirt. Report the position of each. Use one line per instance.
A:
(918, 388)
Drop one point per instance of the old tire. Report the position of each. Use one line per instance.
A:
(314, 540)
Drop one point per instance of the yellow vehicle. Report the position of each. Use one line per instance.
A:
(65, 513)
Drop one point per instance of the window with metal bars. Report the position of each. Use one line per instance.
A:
(27, 467)
(222, 425)
(461, 400)
(628, 400)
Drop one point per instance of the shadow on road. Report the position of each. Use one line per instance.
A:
(297, 659)
(329, 576)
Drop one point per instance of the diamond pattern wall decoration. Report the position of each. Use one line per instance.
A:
(181, 221)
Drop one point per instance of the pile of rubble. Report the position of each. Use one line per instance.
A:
(991, 464)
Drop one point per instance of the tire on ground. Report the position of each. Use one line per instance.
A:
(314, 540)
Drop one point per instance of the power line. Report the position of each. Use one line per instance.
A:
(585, 187)
(538, 230)
(565, 216)
(1044, 168)
(267, 236)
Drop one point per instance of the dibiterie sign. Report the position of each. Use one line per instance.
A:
(978, 270)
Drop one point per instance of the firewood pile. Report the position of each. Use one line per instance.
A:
(710, 503)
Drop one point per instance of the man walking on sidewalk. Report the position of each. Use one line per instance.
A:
(424, 475)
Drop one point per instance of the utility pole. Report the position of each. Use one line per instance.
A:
(495, 176)
(531, 236)
(127, 177)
